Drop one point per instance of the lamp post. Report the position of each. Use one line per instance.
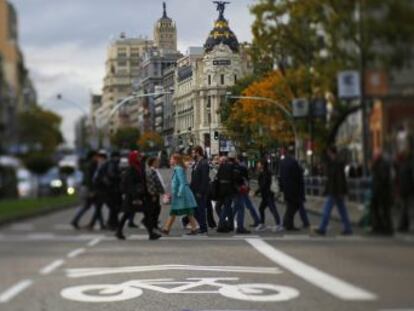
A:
(280, 107)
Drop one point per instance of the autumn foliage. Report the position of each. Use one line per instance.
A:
(150, 141)
(261, 123)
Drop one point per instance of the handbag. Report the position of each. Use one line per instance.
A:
(166, 199)
(244, 189)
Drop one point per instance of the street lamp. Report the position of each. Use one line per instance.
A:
(280, 107)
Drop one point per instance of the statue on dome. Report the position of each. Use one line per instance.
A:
(221, 6)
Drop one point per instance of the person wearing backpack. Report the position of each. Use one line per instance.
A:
(135, 196)
(112, 197)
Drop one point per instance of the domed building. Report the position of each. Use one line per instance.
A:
(202, 79)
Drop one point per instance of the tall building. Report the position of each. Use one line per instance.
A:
(153, 67)
(124, 57)
(147, 112)
(165, 32)
(202, 78)
(17, 90)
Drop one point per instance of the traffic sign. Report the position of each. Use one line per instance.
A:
(349, 84)
(300, 107)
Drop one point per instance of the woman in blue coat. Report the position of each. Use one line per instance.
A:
(183, 202)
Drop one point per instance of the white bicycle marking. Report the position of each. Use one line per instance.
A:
(77, 273)
(100, 293)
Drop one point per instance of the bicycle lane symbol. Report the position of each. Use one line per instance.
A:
(228, 287)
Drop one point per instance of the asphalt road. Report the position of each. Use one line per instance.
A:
(46, 265)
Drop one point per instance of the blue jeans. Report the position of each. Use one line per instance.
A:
(249, 205)
(343, 213)
(239, 203)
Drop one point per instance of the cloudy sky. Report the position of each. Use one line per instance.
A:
(64, 41)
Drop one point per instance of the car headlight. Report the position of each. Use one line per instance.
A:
(56, 183)
(71, 191)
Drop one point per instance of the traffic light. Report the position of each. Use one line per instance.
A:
(216, 135)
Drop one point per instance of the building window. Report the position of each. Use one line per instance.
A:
(235, 79)
(222, 79)
(122, 63)
(208, 102)
(209, 79)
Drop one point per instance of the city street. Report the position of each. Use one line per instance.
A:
(46, 265)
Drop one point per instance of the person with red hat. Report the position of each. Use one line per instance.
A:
(135, 195)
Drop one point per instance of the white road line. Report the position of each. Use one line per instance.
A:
(336, 287)
(41, 236)
(63, 227)
(396, 310)
(13, 291)
(94, 242)
(52, 267)
(76, 252)
(22, 227)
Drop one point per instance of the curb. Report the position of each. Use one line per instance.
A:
(38, 213)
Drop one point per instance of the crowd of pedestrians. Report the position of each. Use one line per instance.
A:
(218, 194)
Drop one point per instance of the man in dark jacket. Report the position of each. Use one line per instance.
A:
(112, 197)
(200, 181)
(226, 192)
(406, 187)
(336, 190)
(381, 200)
(88, 188)
(291, 184)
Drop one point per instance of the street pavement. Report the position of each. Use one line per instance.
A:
(46, 265)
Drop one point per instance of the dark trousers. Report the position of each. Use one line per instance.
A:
(148, 220)
(404, 223)
(155, 206)
(226, 215)
(97, 214)
(87, 204)
(210, 215)
(381, 215)
(304, 215)
(113, 201)
(289, 218)
(268, 201)
(219, 207)
(201, 211)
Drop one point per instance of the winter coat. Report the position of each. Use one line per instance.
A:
(200, 178)
(134, 190)
(291, 180)
(227, 175)
(182, 196)
(265, 184)
(154, 185)
(381, 182)
(336, 184)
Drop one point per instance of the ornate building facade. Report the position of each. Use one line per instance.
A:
(202, 79)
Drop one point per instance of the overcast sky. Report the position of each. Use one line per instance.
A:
(64, 41)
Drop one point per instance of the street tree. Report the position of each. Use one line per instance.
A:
(257, 124)
(39, 133)
(126, 138)
(326, 36)
(150, 141)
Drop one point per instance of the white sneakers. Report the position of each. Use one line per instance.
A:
(260, 227)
